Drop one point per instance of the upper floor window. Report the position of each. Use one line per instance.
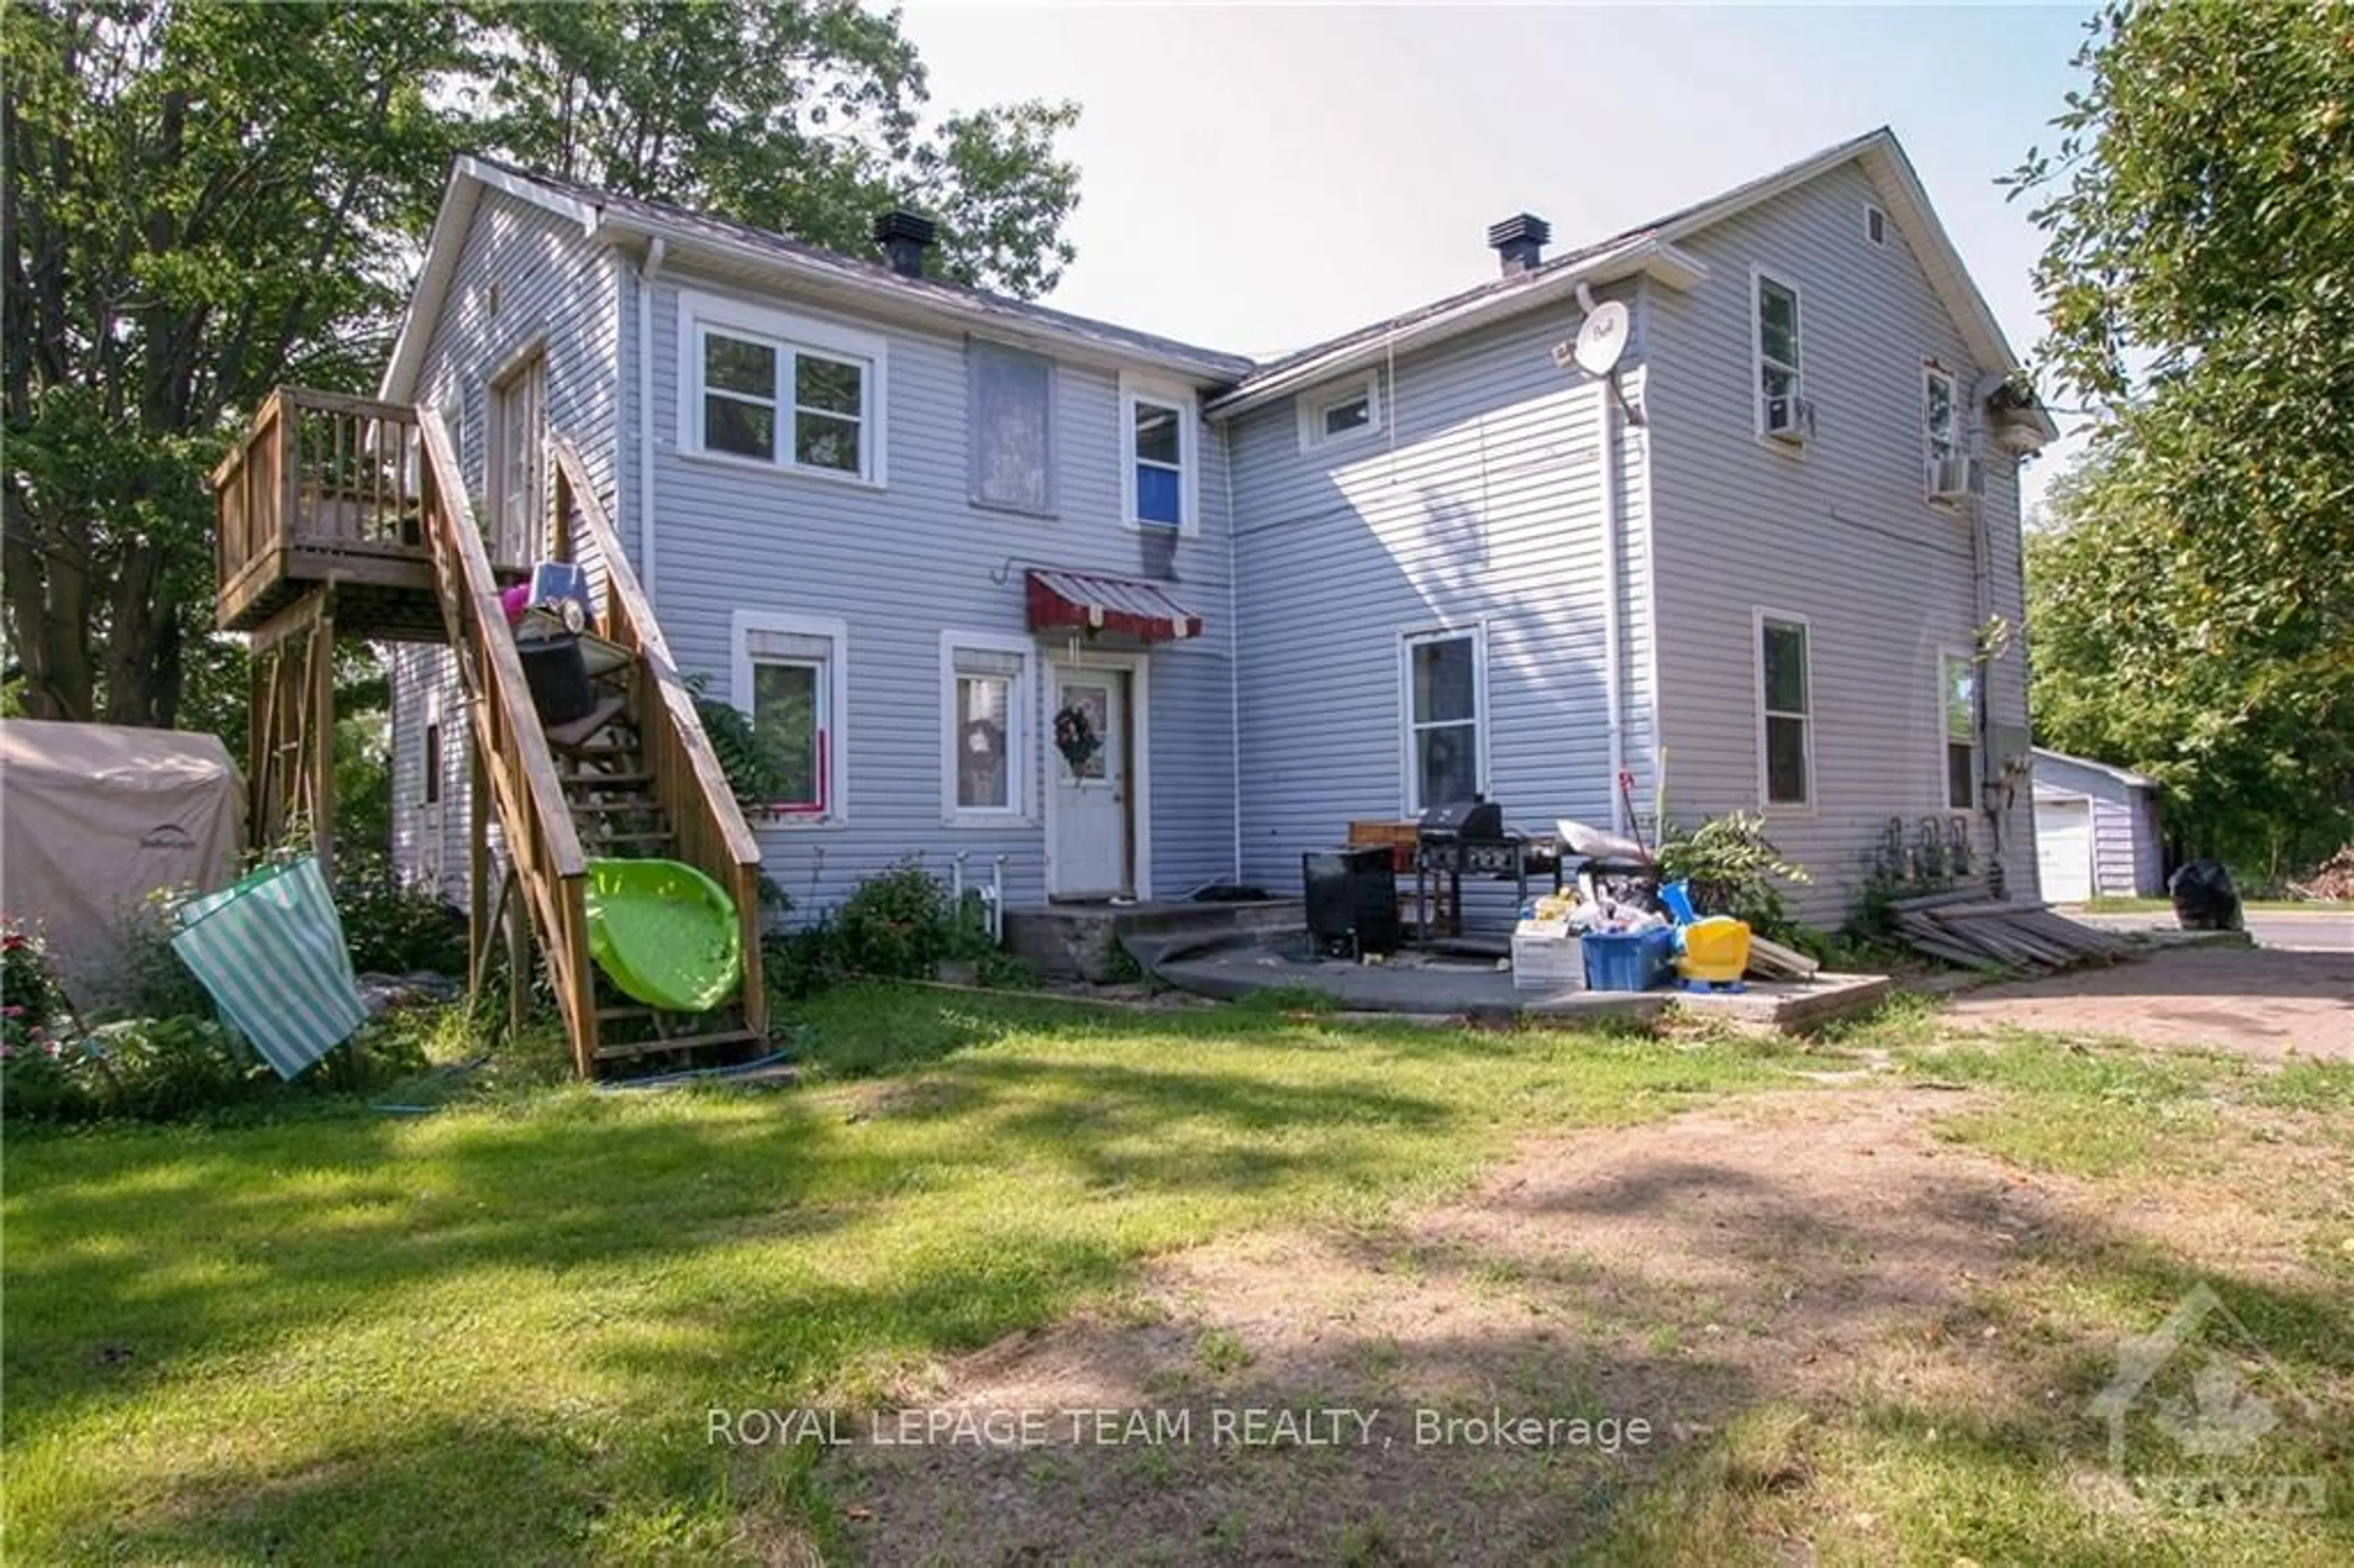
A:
(804, 395)
(1941, 429)
(1158, 452)
(1785, 712)
(1013, 428)
(1445, 703)
(1351, 411)
(1781, 407)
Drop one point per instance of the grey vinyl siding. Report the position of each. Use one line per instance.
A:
(1481, 504)
(2129, 859)
(1841, 536)
(556, 287)
(902, 563)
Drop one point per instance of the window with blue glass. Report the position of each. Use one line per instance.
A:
(1159, 464)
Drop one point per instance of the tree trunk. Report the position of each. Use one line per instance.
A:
(47, 596)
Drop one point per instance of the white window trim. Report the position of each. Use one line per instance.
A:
(1870, 213)
(699, 313)
(1945, 657)
(1053, 508)
(1410, 800)
(1758, 278)
(1932, 372)
(1758, 617)
(1020, 742)
(1313, 404)
(1135, 390)
(833, 629)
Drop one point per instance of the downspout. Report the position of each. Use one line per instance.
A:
(1234, 639)
(1982, 602)
(1608, 469)
(655, 249)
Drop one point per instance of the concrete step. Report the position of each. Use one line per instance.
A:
(1078, 941)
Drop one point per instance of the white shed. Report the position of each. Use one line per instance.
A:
(2095, 831)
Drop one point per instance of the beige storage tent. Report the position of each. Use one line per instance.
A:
(95, 817)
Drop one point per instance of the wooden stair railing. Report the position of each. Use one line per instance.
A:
(712, 835)
(509, 747)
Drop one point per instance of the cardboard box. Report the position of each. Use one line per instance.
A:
(1547, 955)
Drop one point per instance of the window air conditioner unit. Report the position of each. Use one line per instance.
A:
(1789, 419)
(1956, 479)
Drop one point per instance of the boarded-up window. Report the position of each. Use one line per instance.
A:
(1013, 428)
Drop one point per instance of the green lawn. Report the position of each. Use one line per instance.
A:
(493, 1333)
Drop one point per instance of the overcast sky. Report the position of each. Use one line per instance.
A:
(1257, 178)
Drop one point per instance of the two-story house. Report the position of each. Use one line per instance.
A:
(1137, 616)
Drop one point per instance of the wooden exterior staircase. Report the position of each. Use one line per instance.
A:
(342, 518)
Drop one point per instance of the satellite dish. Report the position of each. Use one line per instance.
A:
(1602, 340)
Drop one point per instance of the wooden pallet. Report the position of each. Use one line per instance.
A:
(1968, 928)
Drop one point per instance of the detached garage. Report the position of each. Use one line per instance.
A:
(2095, 831)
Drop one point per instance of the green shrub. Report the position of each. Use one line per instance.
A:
(1733, 869)
(798, 964)
(147, 979)
(394, 924)
(896, 924)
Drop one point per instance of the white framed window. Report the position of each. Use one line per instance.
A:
(1013, 427)
(1875, 225)
(1342, 414)
(1940, 428)
(1957, 705)
(1786, 711)
(987, 695)
(1159, 455)
(791, 679)
(783, 392)
(1780, 372)
(1443, 703)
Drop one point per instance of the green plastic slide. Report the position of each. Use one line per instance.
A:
(665, 933)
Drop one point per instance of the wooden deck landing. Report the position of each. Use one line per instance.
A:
(324, 489)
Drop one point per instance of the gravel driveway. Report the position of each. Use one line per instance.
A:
(2259, 1002)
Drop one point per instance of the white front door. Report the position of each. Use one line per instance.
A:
(1087, 755)
(517, 462)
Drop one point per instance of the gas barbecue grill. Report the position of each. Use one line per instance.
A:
(1467, 838)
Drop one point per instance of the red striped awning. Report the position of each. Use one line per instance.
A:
(1101, 603)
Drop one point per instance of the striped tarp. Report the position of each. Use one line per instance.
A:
(270, 951)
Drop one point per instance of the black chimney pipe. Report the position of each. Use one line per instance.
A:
(904, 237)
(1520, 241)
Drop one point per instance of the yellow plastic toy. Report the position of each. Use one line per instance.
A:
(1716, 949)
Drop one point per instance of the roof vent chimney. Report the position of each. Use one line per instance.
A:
(904, 237)
(1520, 241)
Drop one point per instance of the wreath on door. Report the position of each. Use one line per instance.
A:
(1076, 737)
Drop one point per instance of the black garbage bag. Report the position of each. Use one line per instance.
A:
(2204, 898)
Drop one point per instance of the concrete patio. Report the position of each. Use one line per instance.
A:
(1414, 983)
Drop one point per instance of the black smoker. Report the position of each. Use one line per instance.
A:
(1352, 906)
